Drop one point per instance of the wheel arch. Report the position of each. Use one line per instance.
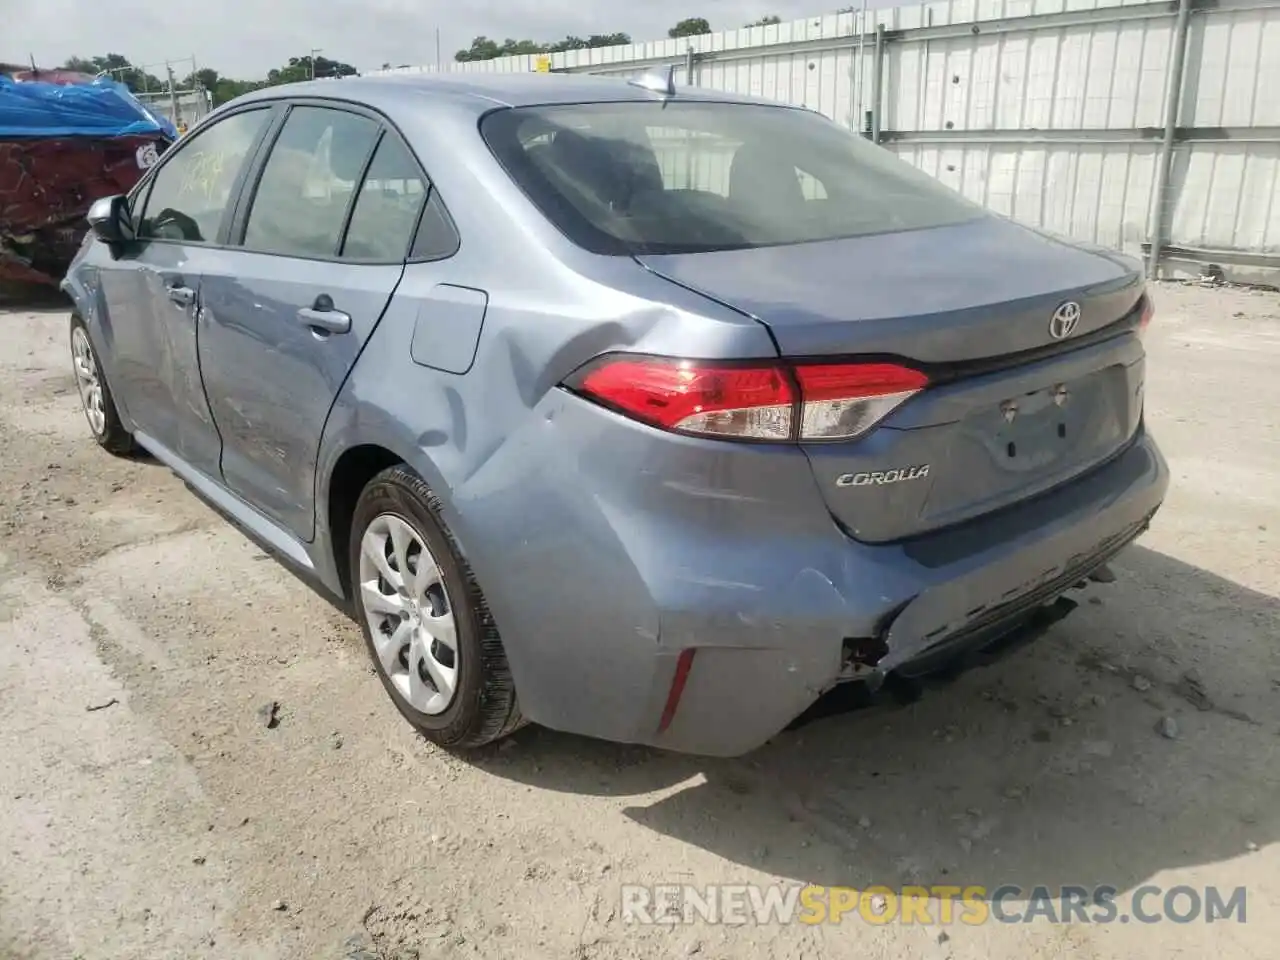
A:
(87, 305)
(351, 472)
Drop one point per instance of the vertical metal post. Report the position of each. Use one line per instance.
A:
(877, 80)
(862, 63)
(437, 49)
(688, 66)
(201, 105)
(173, 95)
(1172, 102)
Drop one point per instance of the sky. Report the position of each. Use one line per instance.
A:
(245, 38)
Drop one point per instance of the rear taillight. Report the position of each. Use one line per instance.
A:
(724, 400)
(844, 400)
(1148, 311)
(749, 400)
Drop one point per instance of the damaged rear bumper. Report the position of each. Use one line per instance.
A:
(980, 591)
(697, 596)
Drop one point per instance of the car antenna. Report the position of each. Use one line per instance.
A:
(657, 80)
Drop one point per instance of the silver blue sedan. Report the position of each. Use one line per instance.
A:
(646, 413)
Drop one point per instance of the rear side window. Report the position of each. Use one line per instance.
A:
(651, 177)
(308, 182)
(190, 193)
(387, 205)
(436, 238)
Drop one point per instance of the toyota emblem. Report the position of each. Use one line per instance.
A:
(1064, 320)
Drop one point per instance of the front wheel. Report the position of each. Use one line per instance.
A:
(428, 629)
(95, 396)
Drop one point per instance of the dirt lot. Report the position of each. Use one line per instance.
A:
(173, 823)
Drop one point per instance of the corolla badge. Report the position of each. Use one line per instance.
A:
(1064, 320)
(882, 477)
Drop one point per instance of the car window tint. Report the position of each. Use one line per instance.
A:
(387, 207)
(306, 185)
(437, 238)
(641, 177)
(191, 192)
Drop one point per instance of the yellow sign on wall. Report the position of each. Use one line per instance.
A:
(542, 64)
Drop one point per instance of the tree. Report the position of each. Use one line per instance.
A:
(482, 48)
(221, 88)
(81, 65)
(228, 89)
(690, 27)
(608, 39)
(118, 68)
(302, 68)
(765, 21)
(207, 78)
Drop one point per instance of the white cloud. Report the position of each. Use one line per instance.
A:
(245, 38)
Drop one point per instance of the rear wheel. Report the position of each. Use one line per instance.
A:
(95, 396)
(432, 639)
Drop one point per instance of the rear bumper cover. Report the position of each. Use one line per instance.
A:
(737, 697)
(987, 623)
(601, 570)
(1031, 556)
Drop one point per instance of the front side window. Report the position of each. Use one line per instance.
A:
(190, 194)
(307, 183)
(649, 177)
(387, 206)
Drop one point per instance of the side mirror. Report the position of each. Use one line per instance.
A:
(109, 220)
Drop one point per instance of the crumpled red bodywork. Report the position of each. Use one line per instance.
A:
(47, 187)
(51, 76)
(48, 184)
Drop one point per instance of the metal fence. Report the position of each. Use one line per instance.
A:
(185, 106)
(1141, 126)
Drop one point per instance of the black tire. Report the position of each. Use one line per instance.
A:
(113, 438)
(484, 707)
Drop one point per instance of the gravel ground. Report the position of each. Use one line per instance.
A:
(173, 822)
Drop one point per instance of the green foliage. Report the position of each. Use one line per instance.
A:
(765, 21)
(482, 48)
(302, 68)
(118, 68)
(690, 27)
(223, 88)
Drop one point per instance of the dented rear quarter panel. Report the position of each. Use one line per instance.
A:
(538, 486)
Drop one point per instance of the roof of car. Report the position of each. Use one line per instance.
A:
(488, 89)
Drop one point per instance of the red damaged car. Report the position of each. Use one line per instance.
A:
(66, 139)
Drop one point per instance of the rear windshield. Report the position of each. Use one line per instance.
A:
(652, 177)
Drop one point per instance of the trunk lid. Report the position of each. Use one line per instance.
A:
(1011, 411)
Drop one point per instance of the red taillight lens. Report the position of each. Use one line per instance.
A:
(750, 401)
(1148, 311)
(728, 400)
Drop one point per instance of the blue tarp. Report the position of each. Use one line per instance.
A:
(103, 108)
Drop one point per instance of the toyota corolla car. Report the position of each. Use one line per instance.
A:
(643, 413)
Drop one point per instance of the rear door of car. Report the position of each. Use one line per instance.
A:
(318, 247)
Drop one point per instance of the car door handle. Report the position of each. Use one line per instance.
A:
(322, 316)
(182, 296)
